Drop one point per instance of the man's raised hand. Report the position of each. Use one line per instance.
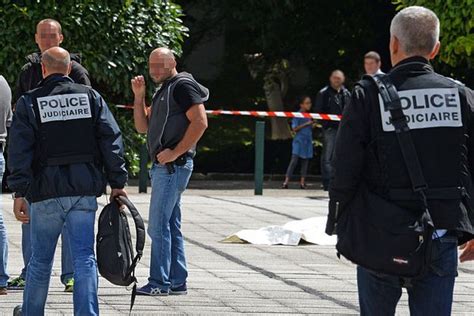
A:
(138, 86)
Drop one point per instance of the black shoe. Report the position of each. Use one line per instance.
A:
(284, 186)
(303, 186)
(180, 290)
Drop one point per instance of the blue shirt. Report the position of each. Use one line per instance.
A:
(303, 141)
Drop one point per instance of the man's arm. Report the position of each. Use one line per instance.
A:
(467, 253)
(5, 101)
(349, 156)
(188, 96)
(319, 106)
(21, 147)
(197, 125)
(79, 74)
(139, 110)
(21, 83)
(110, 144)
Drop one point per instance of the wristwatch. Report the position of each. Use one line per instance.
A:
(17, 195)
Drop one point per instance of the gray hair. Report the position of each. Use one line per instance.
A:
(417, 29)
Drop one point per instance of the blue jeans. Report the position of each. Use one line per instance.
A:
(67, 269)
(3, 234)
(168, 262)
(329, 142)
(430, 295)
(47, 219)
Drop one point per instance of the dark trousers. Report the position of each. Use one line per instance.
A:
(329, 142)
(430, 295)
(294, 162)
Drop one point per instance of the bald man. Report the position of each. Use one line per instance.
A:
(48, 34)
(174, 124)
(62, 138)
(331, 100)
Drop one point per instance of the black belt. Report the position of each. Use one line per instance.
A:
(450, 193)
(180, 161)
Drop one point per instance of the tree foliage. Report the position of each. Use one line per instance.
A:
(321, 35)
(457, 28)
(314, 37)
(114, 39)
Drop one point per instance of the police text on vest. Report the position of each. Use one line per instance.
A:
(64, 107)
(426, 108)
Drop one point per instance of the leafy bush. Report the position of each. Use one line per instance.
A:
(113, 37)
(457, 28)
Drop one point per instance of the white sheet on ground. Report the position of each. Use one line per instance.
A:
(292, 233)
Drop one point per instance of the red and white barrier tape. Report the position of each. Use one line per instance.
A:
(315, 116)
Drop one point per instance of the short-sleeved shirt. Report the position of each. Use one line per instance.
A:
(167, 119)
(186, 94)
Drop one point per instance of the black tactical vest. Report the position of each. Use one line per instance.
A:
(65, 121)
(437, 113)
(168, 121)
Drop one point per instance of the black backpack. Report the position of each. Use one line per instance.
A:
(115, 256)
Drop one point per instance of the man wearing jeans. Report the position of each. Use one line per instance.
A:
(62, 137)
(174, 124)
(369, 160)
(48, 34)
(331, 100)
(5, 120)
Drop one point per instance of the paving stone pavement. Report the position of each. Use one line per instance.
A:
(227, 279)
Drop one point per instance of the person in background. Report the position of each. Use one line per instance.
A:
(302, 147)
(5, 120)
(372, 63)
(331, 100)
(48, 34)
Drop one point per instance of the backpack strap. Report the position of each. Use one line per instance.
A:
(139, 225)
(140, 243)
(389, 94)
(391, 99)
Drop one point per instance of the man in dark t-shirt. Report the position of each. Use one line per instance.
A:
(174, 124)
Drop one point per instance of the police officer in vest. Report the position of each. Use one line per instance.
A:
(62, 138)
(439, 115)
(174, 124)
(48, 34)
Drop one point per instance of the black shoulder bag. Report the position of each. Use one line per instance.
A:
(376, 233)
